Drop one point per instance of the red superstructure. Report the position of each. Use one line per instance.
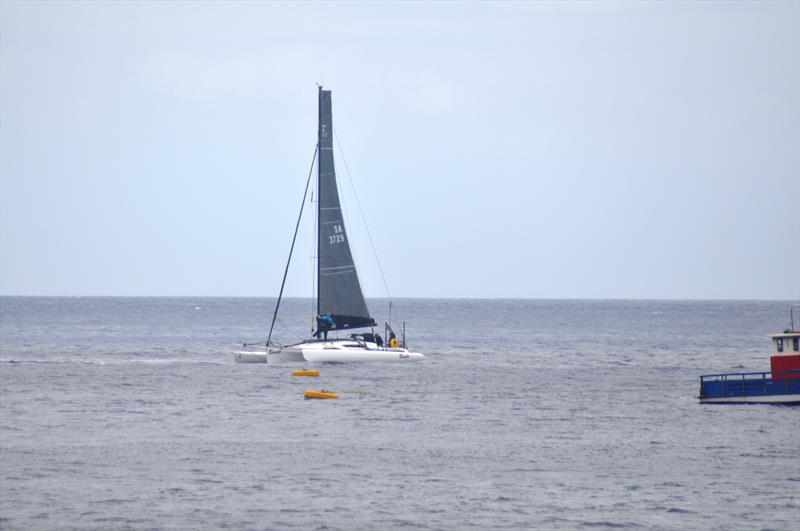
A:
(785, 354)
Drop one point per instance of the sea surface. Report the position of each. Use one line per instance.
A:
(120, 413)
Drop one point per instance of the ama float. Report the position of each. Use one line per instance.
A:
(781, 385)
(341, 306)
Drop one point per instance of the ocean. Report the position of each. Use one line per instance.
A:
(129, 413)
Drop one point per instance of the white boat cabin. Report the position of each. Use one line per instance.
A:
(786, 343)
(785, 359)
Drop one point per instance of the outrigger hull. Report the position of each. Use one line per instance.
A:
(247, 356)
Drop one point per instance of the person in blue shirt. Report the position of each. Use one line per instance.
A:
(324, 323)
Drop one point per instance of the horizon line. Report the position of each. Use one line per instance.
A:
(641, 299)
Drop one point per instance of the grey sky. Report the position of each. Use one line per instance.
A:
(612, 150)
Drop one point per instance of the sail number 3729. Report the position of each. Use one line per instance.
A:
(337, 236)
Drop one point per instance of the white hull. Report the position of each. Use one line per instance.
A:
(246, 356)
(766, 399)
(337, 350)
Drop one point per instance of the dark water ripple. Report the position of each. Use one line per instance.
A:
(129, 413)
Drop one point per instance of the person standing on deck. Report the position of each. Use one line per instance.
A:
(324, 323)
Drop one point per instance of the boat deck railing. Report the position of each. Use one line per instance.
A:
(749, 384)
(727, 376)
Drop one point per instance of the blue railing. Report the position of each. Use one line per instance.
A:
(749, 384)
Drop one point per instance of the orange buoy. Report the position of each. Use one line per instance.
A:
(311, 393)
(305, 372)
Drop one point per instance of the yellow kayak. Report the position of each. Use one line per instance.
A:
(305, 372)
(311, 393)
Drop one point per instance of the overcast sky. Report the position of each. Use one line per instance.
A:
(567, 150)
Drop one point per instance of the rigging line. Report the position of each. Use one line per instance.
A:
(366, 226)
(294, 238)
(361, 211)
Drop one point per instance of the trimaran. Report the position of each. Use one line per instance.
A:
(340, 301)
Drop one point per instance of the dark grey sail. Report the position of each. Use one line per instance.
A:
(339, 292)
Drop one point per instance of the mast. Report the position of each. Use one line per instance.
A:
(319, 178)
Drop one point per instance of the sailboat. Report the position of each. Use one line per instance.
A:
(340, 302)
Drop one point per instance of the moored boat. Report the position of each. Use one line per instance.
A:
(781, 385)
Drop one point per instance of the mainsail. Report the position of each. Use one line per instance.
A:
(339, 292)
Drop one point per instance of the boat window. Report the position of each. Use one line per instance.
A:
(779, 342)
(796, 344)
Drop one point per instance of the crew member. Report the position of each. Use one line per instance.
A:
(324, 323)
